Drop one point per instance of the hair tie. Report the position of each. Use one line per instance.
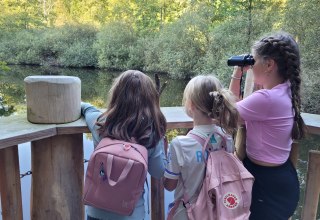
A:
(217, 97)
(217, 103)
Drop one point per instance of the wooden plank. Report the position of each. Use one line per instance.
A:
(10, 186)
(16, 129)
(177, 117)
(312, 192)
(240, 141)
(57, 178)
(313, 122)
(157, 200)
(75, 127)
(249, 84)
(294, 154)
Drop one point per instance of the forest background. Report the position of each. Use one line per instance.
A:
(181, 38)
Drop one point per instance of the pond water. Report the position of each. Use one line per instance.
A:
(95, 86)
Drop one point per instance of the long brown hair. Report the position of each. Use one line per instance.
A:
(284, 50)
(208, 95)
(133, 113)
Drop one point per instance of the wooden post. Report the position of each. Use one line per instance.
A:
(57, 162)
(53, 99)
(312, 192)
(157, 200)
(10, 186)
(240, 141)
(294, 154)
(57, 178)
(249, 84)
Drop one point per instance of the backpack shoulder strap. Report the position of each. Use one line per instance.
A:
(105, 142)
(204, 142)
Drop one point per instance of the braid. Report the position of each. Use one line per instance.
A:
(284, 50)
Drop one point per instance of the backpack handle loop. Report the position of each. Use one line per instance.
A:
(123, 174)
(242, 184)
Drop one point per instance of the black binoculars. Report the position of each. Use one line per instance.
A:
(244, 60)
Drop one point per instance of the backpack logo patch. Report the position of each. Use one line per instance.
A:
(231, 200)
(213, 140)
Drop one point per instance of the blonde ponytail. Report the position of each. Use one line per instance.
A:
(224, 110)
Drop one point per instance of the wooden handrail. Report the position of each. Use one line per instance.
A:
(17, 130)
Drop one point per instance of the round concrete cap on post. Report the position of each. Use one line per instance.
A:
(53, 99)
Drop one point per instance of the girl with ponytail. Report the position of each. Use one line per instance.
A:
(272, 117)
(213, 111)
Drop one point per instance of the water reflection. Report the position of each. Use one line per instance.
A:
(95, 85)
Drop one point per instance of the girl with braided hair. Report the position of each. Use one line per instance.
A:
(273, 119)
(213, 111)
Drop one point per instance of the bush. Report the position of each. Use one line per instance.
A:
(115, 45)
(20, 47)
(65, 46)
(232, 38)
(69, 46)
(178, 47)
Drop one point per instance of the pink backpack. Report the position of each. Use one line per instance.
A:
(115, 176)
(226, 190)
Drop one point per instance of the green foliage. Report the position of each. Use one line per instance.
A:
(65, 46)
(302, 20)
(3, 66)
(178, 47)
(17, 15)
(20, 47)
(172, 133)
(115, 46)
(310, 92)
(235, 36)
(5, 109)
(74, 46)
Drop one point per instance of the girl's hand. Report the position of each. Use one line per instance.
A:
(238, 71)
(170, 184)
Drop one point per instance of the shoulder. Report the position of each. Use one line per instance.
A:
(255, 106)
(158, 149)
(182, 144)
(261, 96)
(182, 141)
(222, 132)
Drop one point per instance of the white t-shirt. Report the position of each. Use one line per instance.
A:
(185, 162)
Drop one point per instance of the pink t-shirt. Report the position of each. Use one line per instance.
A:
(268, 116)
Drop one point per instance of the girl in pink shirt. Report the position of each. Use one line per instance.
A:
(272, 118)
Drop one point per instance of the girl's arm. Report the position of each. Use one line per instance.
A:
(91, 114)
(173, 169)
(157, 160)
(234, 86)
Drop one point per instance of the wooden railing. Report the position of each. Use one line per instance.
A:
(57, 178)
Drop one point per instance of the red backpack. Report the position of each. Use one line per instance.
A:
(115, 176)
(226, 190)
